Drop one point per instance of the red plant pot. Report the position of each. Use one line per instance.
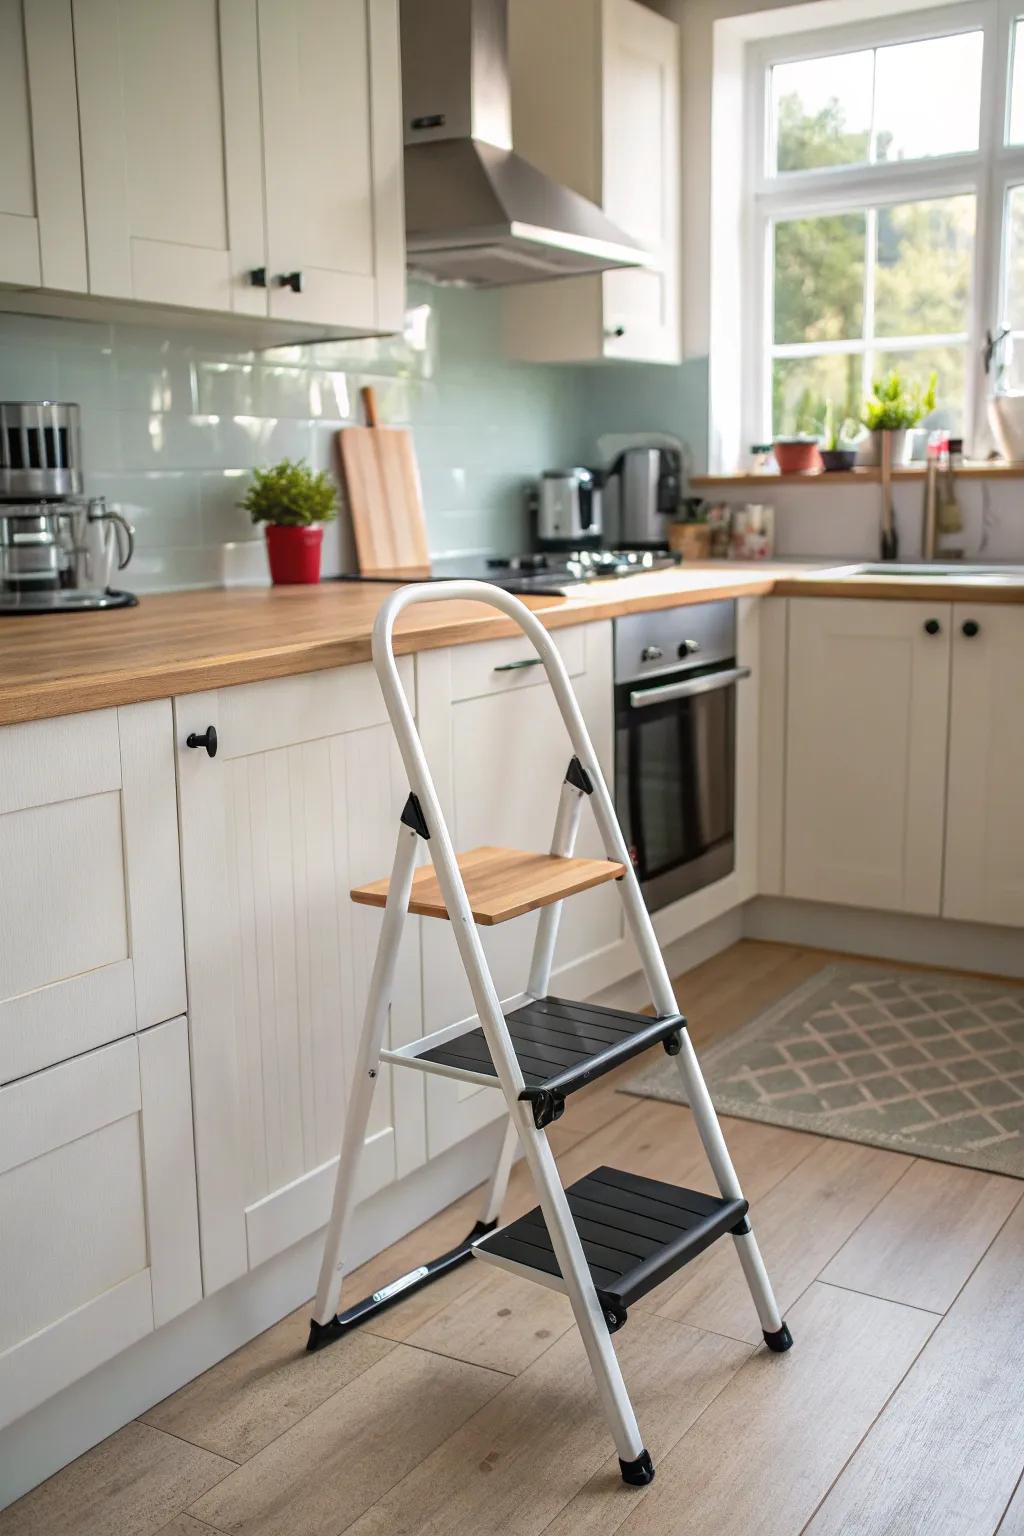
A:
(294, 554)
(797, 457)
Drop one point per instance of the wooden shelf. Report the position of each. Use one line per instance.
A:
(852, 476)
(500, 883)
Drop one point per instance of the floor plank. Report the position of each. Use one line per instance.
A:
(513, 1467)
(765, 1451)
(504, 1324)
(920, 1243)
(800, 1224)
(240, 1405)
(128, 1485)
(320, 1475)
(948, 1451)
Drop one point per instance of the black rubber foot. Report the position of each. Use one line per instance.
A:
(780, 1341)
(638, 1473)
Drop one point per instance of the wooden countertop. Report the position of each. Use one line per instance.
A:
(183, 642)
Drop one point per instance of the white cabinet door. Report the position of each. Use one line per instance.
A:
(97, 1210)
(301, 802)
(984, 880)
(332, 131)
(640, 136)
(866, 752)
(498, 752)
(595, 104)
(171, 151)
(42, 228)
(90, 896)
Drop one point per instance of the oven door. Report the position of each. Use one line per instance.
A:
(676, 779)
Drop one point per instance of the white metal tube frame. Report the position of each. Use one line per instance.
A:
(565, 1239)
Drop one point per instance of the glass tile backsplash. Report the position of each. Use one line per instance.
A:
(173, 420)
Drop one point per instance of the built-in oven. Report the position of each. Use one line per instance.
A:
(675, 745)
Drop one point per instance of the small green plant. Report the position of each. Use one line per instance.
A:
(291, 495)
(837, 435)
(894, 406)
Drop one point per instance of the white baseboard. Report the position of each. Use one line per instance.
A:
(36, 1446)
(887, 935)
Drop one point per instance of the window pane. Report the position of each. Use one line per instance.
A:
(821, 110)
(819, 278)
(928, 97)
(914, 366)
(1014, 306)
(923, 271)
(802, 385)
(1017, 86)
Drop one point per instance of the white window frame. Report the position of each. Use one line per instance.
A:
(987, 173)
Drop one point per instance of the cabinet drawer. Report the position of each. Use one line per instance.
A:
(98, 1211)
(90, 908)
(492, 666)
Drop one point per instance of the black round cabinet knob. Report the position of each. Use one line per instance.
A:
(932, 627)
(970, 628)
(208, 740)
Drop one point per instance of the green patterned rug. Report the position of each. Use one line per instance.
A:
(918, 1061)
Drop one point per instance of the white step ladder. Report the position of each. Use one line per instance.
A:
(613, 1236)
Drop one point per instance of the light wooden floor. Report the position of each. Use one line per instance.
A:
(468, 1409)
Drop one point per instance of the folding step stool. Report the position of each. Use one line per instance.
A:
(613, 1236)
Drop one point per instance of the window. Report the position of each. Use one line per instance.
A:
(877, 240)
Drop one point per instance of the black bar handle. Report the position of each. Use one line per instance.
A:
(292, 280)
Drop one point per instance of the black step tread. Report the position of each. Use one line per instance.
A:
(561, 1045)
(635, 1232)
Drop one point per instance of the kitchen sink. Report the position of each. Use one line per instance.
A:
(935, 569)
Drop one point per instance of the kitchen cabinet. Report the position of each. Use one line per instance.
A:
(868, 686)
(90, 905)
(498, 751)
(984, 871)
(595, 104)
(97, 1210)
(301, 802)
(207, 184)
(42, 225)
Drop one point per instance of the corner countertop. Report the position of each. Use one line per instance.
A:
(184, 642)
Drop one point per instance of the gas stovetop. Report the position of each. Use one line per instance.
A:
(550, 573)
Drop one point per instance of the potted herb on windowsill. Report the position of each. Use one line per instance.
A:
(690, 534)
(894, 408)
(294, 502)
(839, 441)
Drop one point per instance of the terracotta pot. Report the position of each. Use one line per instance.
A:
(294, 554)
(797, 456)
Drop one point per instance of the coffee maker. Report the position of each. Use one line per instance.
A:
(642, 492)
(58, 550)
(567, 509)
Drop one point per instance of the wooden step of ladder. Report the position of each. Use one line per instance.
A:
(501, 883)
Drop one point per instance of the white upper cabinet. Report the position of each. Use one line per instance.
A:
(301, 802)
(238, 157)
(595, 104)
(42, 232)
(984, 878)
(333, 149)
(866, 752)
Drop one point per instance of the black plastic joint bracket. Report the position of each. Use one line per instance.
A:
(638, 1473)
(780, 1340)
(614, 1316)
(412, 816)
(741, 1229)
(547, 1106)
(578, 777)
(673, 1043)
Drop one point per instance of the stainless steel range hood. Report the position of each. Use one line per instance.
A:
(476, 212)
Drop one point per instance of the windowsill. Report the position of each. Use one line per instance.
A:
(818, 477)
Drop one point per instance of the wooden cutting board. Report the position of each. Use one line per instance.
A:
(382, 482)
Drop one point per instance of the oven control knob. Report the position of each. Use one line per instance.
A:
(688, 648)
(651, 653)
